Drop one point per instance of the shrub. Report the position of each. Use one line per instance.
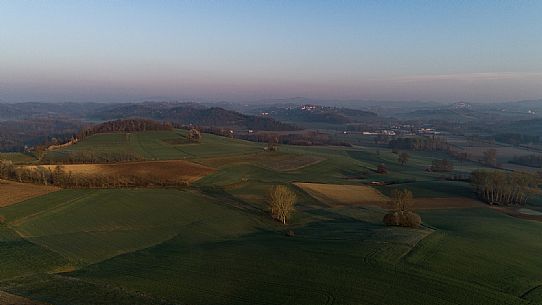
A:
(403, 219)
(402, 214)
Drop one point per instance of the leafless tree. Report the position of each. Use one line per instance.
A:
(282, 203)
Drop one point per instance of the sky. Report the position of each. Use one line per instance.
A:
(446, 51)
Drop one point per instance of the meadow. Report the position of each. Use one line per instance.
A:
(214, 242)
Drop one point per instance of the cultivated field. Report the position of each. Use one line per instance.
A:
(17, 158)
(446, 203)
(344, 194)
(272, 160)
(214, 242)
(8, 299)
(13, 192)
(171, 169)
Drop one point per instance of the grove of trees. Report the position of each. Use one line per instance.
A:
(433, 143)
(504, 188)
(125, 125)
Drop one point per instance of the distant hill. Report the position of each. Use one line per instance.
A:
(447, 114)
(531, 107)
(317, 114)
(528, 127)
(47, 110)
(194, 114)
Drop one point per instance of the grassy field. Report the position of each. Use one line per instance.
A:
(159, 145)
(344, 194)
(204, 251)
(214, 242)
(18, 158)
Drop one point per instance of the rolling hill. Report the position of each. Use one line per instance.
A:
(213, 242)
(192, 114)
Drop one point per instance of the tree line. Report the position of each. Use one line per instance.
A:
(504, 188)
(433, 143)
(124, 125)
(528, 160)
(90, 156)
(309, 138)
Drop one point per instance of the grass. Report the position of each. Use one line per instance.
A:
(152, 246)
(17, 158)
(344, 194)
(159, 145)
(215, 244)
(88, 226)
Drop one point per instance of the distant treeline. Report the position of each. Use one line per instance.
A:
(502, 188)
(125, 125)
(305, 139)
(61, 178)
(90, 156)
(528, 160)
(420, 143)
(517, 138)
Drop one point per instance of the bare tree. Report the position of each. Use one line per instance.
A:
(501, 188)
(403, 158)
(282, 203)
(401, 200)
(194, 135)
(490, 157)
(272, 143)
(401, 210)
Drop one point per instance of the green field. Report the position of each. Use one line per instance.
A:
(18, 158)
(214, 243)
(159, 145)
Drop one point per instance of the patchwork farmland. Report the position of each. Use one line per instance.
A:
(212, 242)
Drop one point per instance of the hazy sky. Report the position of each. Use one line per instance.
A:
(245, 50)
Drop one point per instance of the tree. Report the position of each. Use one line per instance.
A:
(401, 210)
(272, 143)
(401, 200)
(381, 169)
(403, 158)
(443, 165)
(282, 203)
(194, 135)
(490, 157)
